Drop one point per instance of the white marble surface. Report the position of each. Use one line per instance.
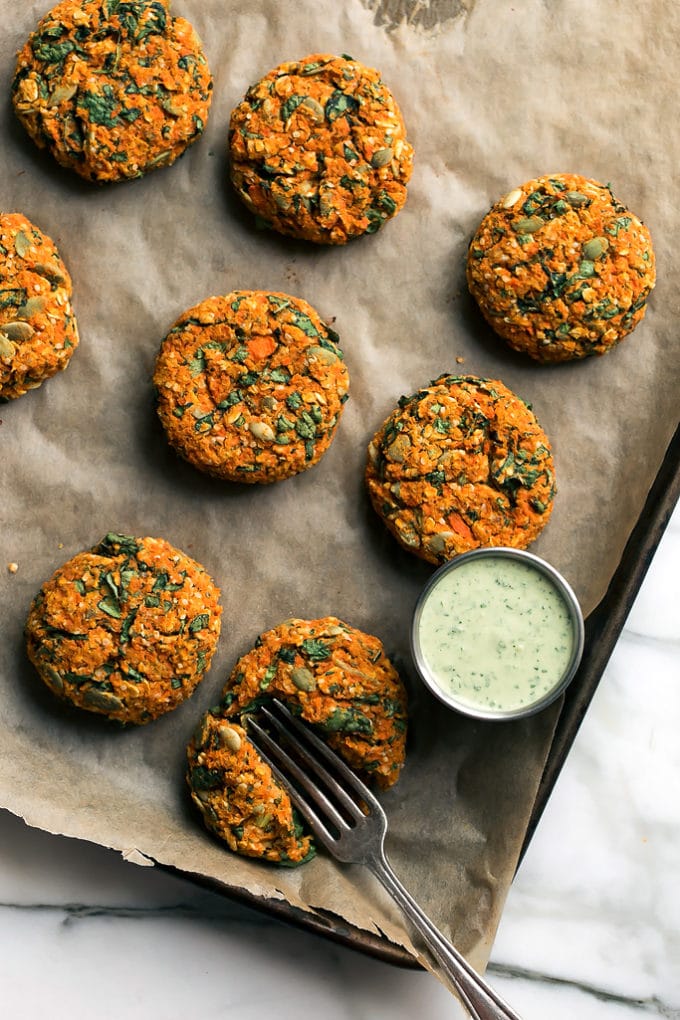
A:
(591, 929)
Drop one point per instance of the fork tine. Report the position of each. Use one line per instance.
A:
(324, 752)
(308, 746)
(271, 751)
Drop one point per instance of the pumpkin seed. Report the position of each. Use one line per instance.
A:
(303, 679)
(282, 201)
(201, 732)
(436, 544)
(381, 157)
(17, 331)
(22, 243)
(528, 225)
(62, 93)
(54, 680)
(334, 631)
(398, 448)
(512, 198)
(7, 348)
(262, 431)
(575, 197)
(229, 738)
(32, 306)
(316, 109)
(408, 535)
(326, 206)
(172, 107)
(157, 160)
(594, 248)
(103, 701)
(263, 821)
(50, 273)
(323, 354)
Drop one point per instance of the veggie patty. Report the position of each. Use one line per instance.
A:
(318, 150)
(251, 386)
(460, 464)
(334, 677)
(38, 332)
(126, 630)
(561, 269)
(112, 88)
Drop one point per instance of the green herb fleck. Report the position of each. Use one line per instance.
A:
(340, 105)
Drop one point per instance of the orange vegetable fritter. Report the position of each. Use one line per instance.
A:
(334, 677)
(112, 88)
(38, 332)
(561, 269)
(251, 386)
(318, 150)
(126, 630)
(462, 463)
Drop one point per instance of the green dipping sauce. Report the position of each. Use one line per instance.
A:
(496, 634)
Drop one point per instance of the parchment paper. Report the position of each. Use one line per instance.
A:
(493, 94)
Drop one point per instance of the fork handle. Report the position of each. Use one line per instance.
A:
(480, 1000)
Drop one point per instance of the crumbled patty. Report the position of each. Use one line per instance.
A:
(318, 150)
(38, 332)
(112, 88)
(334, 677)
(460, 464)
(126, 630)
(250, 386)
(561, 269)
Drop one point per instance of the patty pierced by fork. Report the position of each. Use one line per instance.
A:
(333, 676)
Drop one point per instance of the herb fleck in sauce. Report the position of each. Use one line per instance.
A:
(496, 634)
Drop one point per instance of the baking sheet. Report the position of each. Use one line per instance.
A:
(492, 95)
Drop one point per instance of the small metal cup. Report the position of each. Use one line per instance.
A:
(570, 601)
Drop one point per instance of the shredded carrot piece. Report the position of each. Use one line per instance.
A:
(460, 527)
(260, 347)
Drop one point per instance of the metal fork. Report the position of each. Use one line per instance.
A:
(348, 820)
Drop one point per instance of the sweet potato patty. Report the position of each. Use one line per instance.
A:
(126, 630)
(318, 150)
(113, 88)
(333, 676)
(462, 463)
(38, 332)
(251, 386)
(561, 269)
